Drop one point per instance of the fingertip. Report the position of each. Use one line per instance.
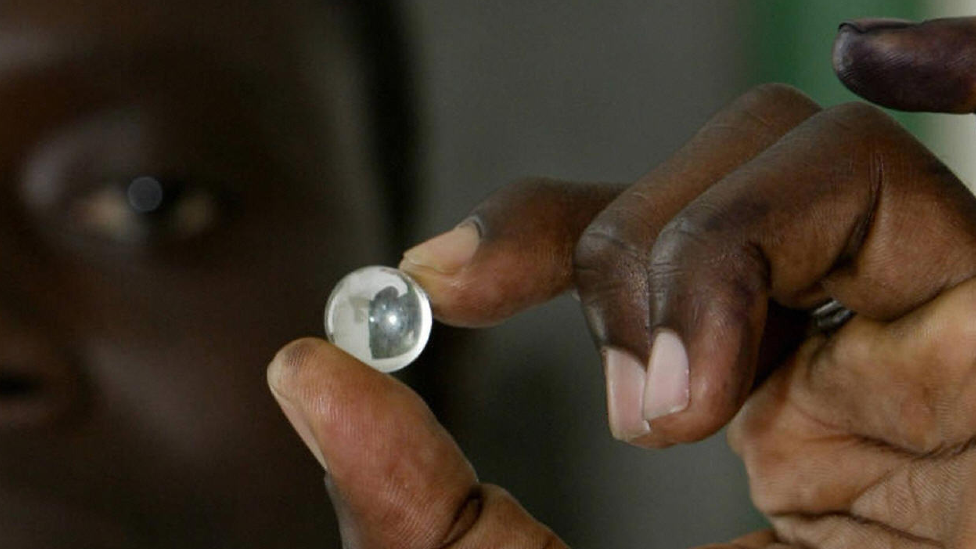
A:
(290, 360)
(282, 376)
(909, 66)
(699, 372)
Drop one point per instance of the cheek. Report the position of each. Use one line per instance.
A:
(177, 350)
(174, 359)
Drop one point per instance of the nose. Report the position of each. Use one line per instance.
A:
(38, 384)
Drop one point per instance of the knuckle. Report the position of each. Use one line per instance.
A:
(706, 251)
(774, 93)
(776, 107)
(601, 248)
(684, 232)
(855, 110)
(692, 236)
(620, 238)
(494, 516)
(870, 122)
(610, 276)
(612, 250)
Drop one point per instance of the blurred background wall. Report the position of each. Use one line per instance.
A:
(586, 90)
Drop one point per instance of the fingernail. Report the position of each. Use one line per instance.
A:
(625, 392)
(445, 253)
(666, 388)
(871, 24)
(297, 419)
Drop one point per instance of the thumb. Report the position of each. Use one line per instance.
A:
(928, 66)
(396, 477)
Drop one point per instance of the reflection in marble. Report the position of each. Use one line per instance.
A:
(380, 316)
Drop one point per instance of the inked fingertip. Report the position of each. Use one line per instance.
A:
(909, 66)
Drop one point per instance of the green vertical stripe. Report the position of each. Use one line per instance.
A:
(791, 40)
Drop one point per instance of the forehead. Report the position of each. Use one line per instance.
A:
(62, 58)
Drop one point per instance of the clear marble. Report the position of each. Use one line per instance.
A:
(380, 316)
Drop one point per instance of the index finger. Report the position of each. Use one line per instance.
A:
(928, 66)
(516, 249)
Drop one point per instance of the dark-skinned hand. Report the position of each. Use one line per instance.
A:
(697, 282)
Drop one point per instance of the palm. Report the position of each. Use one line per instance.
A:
(866, 438)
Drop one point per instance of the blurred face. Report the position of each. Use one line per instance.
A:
(181, 183)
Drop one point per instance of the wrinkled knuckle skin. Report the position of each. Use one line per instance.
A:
(491, 517)
(703, 252)
(688, 238)
(602, 250)
(610, 275)
(610, 251)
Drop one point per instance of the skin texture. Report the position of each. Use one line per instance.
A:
(133, 412)
(860, 437)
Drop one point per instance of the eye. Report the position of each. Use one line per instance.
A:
(145, 208)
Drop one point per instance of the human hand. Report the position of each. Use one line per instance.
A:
(771, 207)
(866, 438)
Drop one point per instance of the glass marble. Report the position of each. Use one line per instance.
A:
(380, 316)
